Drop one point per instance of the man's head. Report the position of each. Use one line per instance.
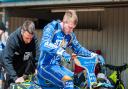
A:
(27, 31)
(70, 20)
(2, 28)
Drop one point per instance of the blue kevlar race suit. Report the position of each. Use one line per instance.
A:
(53, 44)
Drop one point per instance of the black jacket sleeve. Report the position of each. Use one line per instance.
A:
(8, 58)
(36, 51)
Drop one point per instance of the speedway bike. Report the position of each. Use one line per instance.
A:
(88, 63)
(115, 76)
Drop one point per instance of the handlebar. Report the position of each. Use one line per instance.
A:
(117, 68)
(99, 58)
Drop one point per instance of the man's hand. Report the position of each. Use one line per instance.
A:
(19, 80)
(66, 56)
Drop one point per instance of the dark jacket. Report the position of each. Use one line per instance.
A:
(16, 51)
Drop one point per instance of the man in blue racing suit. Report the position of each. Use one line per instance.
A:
(58, 35)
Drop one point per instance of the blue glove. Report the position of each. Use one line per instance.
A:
(101, 59)
(66, 56)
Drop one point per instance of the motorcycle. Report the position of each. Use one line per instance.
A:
(87, 63)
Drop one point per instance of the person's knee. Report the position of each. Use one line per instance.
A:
(66, 78)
